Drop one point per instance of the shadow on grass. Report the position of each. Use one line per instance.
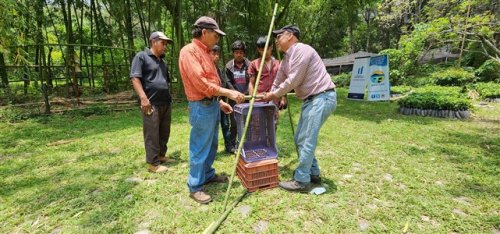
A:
(481, 160)
(71, 192)
(49, 129)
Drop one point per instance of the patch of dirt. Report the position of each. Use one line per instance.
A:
(363, 224)
(260, 226)
(245, 211)
(459, 212)
(61, 142)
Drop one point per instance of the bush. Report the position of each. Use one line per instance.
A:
(437, 98)
(453, 76)
(489, 71)
(342, 80)
(488, 90)
(400, 89)
(397, 71)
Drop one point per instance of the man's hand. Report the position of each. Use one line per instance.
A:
(236, 96)
(226, 108)
(282, 104)
(269, 96)
(146, 106)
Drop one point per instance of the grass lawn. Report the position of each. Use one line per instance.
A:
(385, 172)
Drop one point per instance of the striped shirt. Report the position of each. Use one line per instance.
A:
(197, 70)
(302, 70)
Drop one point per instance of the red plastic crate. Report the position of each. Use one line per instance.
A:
(259, 187)
(258, 170)
(259, 175)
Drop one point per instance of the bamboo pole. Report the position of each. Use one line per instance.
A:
(213, 226)
(252, 101)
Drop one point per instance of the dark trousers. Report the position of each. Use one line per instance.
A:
(225, 126)
(156, 129)
(233, 132)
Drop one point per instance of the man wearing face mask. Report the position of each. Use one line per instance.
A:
(203, 87)
(151, 82)
(303, 70)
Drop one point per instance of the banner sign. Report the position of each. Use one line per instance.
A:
(359, 76)
(378, 79)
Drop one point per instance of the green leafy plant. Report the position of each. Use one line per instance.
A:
(489, 71)
(453, 76)
(401, 89)
(342, 80)
(488, 90)
(437, 98)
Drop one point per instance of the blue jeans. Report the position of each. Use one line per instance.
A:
(204, 119)
(313, 114)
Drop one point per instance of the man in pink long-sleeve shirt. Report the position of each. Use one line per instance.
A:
(303, 70)
(202, 86)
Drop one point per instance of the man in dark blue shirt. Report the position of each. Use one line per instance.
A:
(151, 82)
(237, 75)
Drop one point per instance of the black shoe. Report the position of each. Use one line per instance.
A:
(233, 150)
(296, 186)
(316, 179)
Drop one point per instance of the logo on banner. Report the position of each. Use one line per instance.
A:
(377, 77)
(360, 70)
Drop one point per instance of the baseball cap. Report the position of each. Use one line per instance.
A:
(209, 23)
(290, 28)
(261, 42)
(161, 36)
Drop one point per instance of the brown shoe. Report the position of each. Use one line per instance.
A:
(164, 159)
(157, 169)
(201, 197)
(217, 179)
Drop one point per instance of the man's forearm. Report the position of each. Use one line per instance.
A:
(136, 83)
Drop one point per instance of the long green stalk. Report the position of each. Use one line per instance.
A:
(252, 101)
(213, 227)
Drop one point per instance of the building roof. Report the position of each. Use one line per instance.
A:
(438, 54)
(345, 60)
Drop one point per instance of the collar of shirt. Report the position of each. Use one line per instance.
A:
(150, 53)
(291, 49)
(201, 45)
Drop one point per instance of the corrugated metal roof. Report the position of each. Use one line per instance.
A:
(345, 60)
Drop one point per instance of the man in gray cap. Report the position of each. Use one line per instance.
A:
(203, 89)
(151, 82)
(303, 70)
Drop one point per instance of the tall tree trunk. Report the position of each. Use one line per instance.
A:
(39, 38)
(351, 38)
(70, 50)
(175, 11)
(282, 13)
(3, 72)
(141, 22)
(128, 29)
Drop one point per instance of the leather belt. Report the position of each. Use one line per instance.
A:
(310, 97)
(208, 101)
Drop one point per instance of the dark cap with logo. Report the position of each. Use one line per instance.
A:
(160, 35)
(208, 23)
(290, 28)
